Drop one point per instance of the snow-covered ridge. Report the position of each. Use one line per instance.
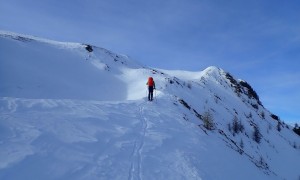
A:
(29, 38)
(38, 68)
(76, 111)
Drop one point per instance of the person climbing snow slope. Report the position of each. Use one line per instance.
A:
(151, 87)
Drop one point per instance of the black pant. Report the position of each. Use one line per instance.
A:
(150, 94)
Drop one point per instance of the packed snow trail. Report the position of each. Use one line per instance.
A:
(136, 166)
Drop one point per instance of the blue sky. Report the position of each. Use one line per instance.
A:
(258, 41)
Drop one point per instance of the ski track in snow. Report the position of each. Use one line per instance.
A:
(136, 164)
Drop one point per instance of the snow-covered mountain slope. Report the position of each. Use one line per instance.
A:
(76, 111)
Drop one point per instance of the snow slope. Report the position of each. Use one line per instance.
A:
(75, 111)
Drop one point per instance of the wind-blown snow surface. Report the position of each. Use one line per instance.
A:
(74, 111)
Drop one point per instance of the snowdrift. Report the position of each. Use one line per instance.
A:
(37, 68)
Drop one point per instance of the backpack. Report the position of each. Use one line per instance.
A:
(150, 81)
